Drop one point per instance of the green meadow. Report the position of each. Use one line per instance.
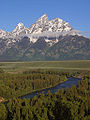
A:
(56, 65)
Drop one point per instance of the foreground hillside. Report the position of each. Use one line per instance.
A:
(21, 78)
(68, 104)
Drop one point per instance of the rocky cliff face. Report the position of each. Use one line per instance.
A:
(44, 25)
(45, 40)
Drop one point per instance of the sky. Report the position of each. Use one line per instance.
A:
(76, 12)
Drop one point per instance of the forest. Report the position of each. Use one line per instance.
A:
(66, 104)
(15, 85)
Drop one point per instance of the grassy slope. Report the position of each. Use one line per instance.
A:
(61, 65)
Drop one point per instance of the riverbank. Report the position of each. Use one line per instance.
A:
(66, 84)
(58, 105)
(41, 90)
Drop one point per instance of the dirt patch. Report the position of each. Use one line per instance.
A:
(2, 99)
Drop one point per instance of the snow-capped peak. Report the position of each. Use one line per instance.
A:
(4, 34)
(45, 25)
(57, 19)
(2, 31)
(42, 26)
(20, 30)
(42, 19)
(20, 25)
(44, 15)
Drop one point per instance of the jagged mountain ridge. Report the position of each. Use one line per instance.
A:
(41, 25)
(45, 40)
(44, 25)
(20, 30)
(67, 48)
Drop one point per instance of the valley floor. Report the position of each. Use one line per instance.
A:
(74, 65)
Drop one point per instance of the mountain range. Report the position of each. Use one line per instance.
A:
(45, 40)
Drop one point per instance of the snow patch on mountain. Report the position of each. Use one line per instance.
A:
(4, 34)
(51, 42)
(42, 27)
(33, 39)
(20, 30)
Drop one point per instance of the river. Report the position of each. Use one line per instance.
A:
(67, 84)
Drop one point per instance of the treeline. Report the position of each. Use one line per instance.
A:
(68, 104)
(15, 85)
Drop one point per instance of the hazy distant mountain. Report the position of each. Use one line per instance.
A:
(45, 40)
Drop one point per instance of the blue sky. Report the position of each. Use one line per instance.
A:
(76, 12)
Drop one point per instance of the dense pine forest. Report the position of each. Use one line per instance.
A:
(15, 85)
(66, 104)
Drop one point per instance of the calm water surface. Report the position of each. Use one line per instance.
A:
(67, 84)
